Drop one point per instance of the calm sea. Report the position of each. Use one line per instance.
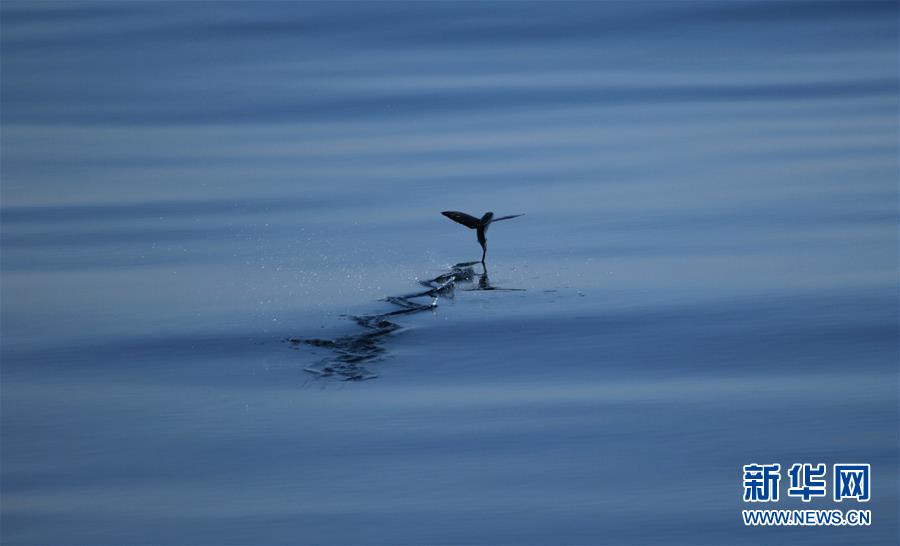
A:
(706, 272)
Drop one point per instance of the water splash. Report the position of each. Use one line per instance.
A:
(351, 353)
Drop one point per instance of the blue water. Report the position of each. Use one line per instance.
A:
(709, 259)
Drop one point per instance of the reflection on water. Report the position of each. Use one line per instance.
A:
(706, 275)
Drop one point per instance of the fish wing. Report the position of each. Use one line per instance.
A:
(507, 217)
(462, 218)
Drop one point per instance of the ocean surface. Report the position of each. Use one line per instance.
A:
(706, 274)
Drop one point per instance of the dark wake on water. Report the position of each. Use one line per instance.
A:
(350, 353)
